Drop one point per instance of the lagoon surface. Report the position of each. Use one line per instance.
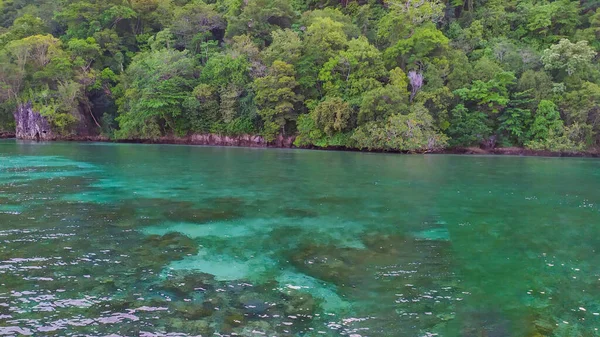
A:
(155, 240)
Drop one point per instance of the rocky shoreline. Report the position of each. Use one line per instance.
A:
(255, 141)
(518, 151)
(30, 125)
(218, 140)
(5, 135)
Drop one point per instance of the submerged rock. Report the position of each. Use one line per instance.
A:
(485, 323)
(202, 215)
(174, 242)
(192, 310)
(299, 213)
(158, 250)
(298, 303)
(398, 269)
(183, 284)
(193, 327)
(544, 326)
(254, 304)
(258, 329)
(441, 234)
(234, 319)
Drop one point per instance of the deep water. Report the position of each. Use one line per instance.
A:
(158, 240)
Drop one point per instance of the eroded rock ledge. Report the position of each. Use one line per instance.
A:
(219, 140)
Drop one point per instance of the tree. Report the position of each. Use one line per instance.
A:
(24, 26)
(491, 96)
(286, 47)
(333, 115)
(196, 23)
(378, 104)
(547, 121)
(259, 18)
(539, 83)
(324, 37)
(515, 119)
(152, 15)
(156, 85)
(276, 98)
(203, 108)
(413, 132)
(243, 46)
(322, 40)
(84, 18)
(353, 71)
(582, 107)
(37, 70)
(12, 76)
(224, 69)
(85, 52)
(404, 17)
(550, 19)
(36, 50)
(334, 14)
(425, 44)
(568, 56)
(330, 123)
(548, 131)
(485, 69)
(468, 128)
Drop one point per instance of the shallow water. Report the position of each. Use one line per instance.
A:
(154, 240)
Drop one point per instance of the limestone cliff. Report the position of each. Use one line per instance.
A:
(31, 125)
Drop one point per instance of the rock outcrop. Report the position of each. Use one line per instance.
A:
(219, 140)
(31, 125)
(243, 140)
(6, 134)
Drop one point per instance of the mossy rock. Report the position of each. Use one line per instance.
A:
(158, 250)
(192, 310)
(185, 284)
(257, 329)
(299, 213)
(330, 263)
(253, 304)
(221, 211)
(234, 319)
(194, 327)
(297, 303)
(544, 326)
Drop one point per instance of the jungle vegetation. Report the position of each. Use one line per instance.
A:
(408, 75)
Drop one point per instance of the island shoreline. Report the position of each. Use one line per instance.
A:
(287, 143)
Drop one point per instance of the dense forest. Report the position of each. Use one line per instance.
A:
(409, 75)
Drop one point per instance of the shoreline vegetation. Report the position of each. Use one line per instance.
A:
(250, 141)
(377, 75)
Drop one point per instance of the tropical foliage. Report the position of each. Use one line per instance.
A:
(370, 74)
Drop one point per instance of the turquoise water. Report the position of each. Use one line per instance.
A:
(155, 240)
